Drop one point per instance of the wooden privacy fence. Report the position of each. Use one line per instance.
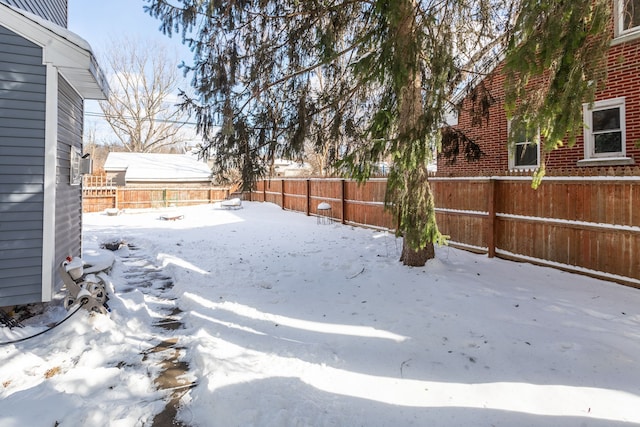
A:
(351, 203)
(584, 224)
(102, 195)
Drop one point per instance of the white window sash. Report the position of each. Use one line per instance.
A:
(589, 134)
(513, 151)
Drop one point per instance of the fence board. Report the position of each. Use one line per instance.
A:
(372, 191)
(97, 199)
(371, 214)
(466, 229)
(273, 191)
(98, 203)
(329, 189)
(467, 194)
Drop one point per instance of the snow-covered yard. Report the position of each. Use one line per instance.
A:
(280, 321)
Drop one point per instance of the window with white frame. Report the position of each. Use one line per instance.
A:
(74, 172)
(604, 133)
(627, 17)
(524, 152)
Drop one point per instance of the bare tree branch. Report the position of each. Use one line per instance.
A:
(142, 107)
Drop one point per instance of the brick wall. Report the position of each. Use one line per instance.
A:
(623, 81)
(491, 135)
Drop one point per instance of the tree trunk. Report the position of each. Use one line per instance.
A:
(416, 258)
(418, 200)
(421, 200)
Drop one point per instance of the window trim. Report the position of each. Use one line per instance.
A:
(588, 137)
(75, 176)
(512, 151)
(620, 34)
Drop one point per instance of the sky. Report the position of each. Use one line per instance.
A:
(264, 317)
(100, 23)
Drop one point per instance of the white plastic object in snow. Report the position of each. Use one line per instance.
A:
(234, 203)
(85, 281)
(83, 296)
(75, 267)
(95, 261)
(324, 213)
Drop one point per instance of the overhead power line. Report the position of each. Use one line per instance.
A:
(106, 117)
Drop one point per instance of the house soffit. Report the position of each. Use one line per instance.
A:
(65, 50)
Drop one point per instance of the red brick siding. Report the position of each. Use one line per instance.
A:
(490, 136)
(623, 80)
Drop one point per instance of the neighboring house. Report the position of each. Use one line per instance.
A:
(612, 125)
(156, 169)
(46, 72)
(290, 168)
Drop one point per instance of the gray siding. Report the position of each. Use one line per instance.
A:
(68, 197)
(55, 11)
(22, 138)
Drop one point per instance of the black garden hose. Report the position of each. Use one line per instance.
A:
(46, 330)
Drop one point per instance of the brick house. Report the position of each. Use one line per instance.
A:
(611, 137)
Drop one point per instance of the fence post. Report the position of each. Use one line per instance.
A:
(491, 220)
(343, 204)
(282, 192)
(308, 190)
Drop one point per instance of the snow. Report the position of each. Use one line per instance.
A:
(463, 211)
(158, 166)
(286, 322)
